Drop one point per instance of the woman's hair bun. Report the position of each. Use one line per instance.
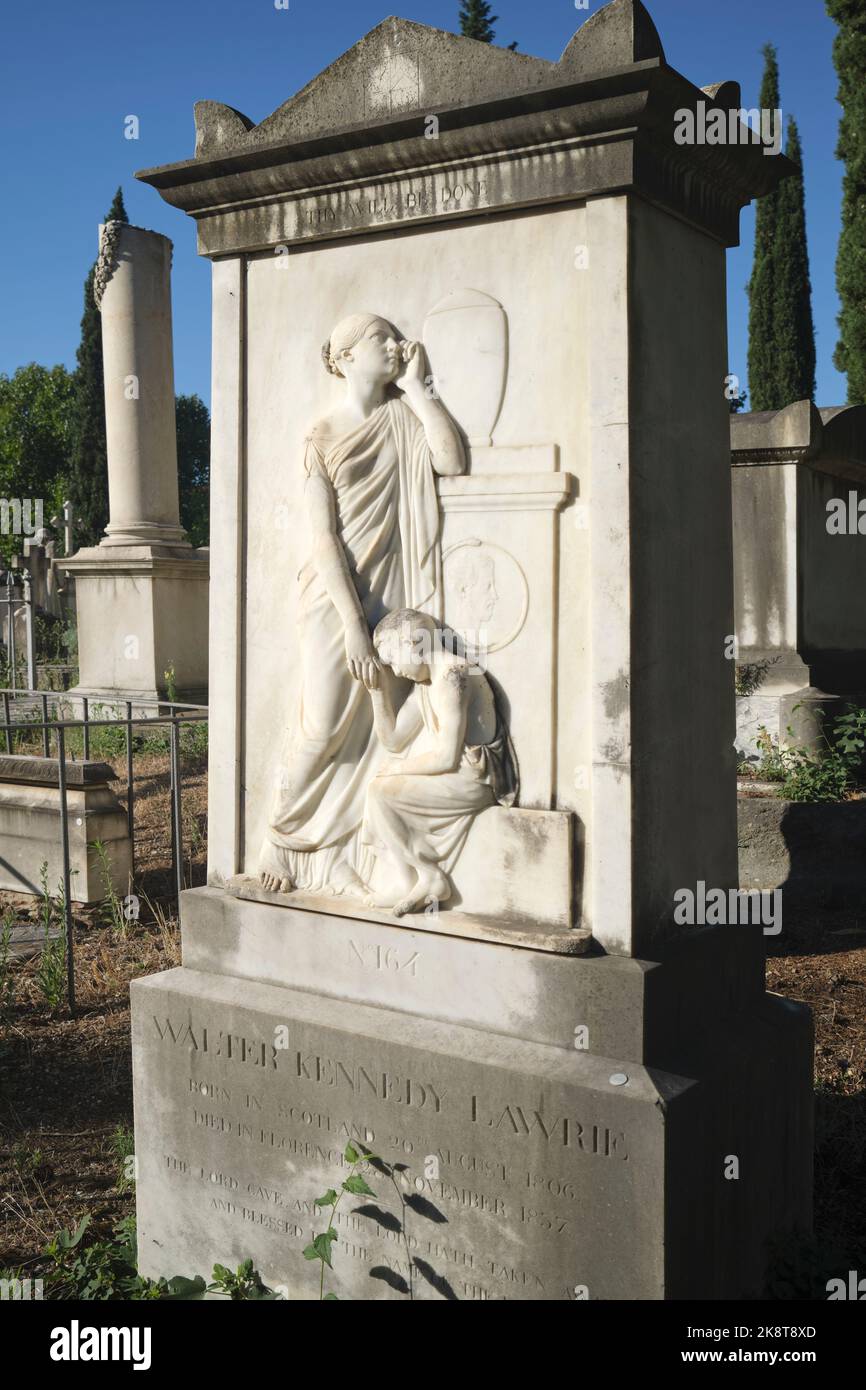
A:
(330, 364)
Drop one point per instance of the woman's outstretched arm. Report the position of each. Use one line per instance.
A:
(332, 567)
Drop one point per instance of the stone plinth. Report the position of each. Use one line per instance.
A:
(31, 831)
(816, 853)
(140, 612)
(532, 1170)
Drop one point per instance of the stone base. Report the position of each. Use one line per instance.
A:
(815, 853)
(539, 1161)
(794, 719)
(31, 835)
(106, 703)
(508, 931)
(514, 870)
(516, 865)
(141, 611)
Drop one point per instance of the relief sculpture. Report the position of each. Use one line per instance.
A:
(340, 811)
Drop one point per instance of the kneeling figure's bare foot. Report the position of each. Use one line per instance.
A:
(383, 901)
(432, 887)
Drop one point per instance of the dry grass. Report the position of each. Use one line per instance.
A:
(67, 1087)
(66, 1084)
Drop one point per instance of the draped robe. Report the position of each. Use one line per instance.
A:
(387, 516)
(426, 818)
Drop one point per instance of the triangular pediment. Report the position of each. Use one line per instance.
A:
(401, 68)
(398, 68)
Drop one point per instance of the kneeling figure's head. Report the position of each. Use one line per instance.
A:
(405, 641)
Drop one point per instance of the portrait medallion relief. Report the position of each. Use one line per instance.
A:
(486, 594)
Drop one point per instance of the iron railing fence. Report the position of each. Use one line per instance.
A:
(33, 703)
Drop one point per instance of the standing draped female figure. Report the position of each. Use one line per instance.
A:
(373, 517)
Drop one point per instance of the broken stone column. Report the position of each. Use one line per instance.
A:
(133, 290)
(142, 593)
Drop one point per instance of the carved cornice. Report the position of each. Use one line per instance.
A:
(506, 492)
(580, 131)
(831, 440)
(131, 560)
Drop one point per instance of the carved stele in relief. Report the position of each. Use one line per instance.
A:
(398, 741)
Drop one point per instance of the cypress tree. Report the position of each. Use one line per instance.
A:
(761, 289)
(849, 55)
(88, 486)
(476, 21)
(793, 329)
(193, 466)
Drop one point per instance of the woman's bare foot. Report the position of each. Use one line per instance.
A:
(273, 874)
(274, 884)
(396, 881)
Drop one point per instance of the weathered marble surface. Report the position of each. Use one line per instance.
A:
(355, 151)
(486, 244)
(531, 1173)
(510, 515)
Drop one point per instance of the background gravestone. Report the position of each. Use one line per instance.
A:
(792, 470)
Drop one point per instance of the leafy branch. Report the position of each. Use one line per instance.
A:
(356, 1186)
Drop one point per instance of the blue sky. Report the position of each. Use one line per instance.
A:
(73, 72)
